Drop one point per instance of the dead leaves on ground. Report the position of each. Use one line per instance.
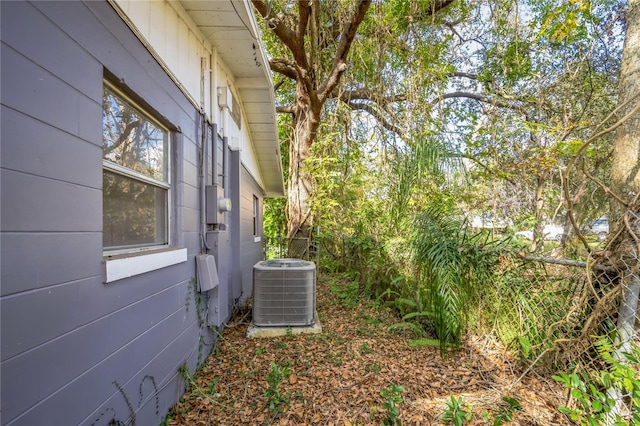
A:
(336, 377)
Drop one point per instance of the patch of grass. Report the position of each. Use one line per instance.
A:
(170, 416)
(366, 332)
(212, 385)
(334, 358)
(334, 338)
(347, 293)
(280, 344)
(420, 343)
(373, 321)
(320, 338)
(277, 400)
(250, 373)
(370, 319)
(373, 367)
(365, 349)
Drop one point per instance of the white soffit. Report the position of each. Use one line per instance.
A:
(230, 26)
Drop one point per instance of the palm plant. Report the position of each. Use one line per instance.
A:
(450, 263)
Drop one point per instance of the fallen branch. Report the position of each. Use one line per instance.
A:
(569, 262)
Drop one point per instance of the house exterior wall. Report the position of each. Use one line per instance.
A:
(251, 245)
(161, 24)
(248, 246)
(174, 37)
(240, 140)
(74, 349)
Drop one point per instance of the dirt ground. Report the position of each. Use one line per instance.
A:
(338, 377)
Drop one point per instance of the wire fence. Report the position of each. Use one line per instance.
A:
(296, 248)
(551, 312)
(574, 318)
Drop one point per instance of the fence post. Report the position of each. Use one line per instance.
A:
(625, 332)
(627, 314)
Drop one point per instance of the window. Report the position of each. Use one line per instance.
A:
(135, 175)
(256, 215)
(220, 162)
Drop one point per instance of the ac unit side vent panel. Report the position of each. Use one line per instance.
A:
(284, 293)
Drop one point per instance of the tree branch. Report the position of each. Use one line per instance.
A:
(367, 94)
(289, 109)
(283, 66)
(479, 98)
(568, 262)
(276, 24)
(340, 59)
(304, 9)
(437, 6)
(464, 74)
(605, 188)
(484, 166)
(363, 106)
(582, 150)
(302, 65)
(279, 84)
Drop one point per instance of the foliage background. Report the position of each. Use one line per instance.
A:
(481, 110)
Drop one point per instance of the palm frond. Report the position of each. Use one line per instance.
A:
(450, 261)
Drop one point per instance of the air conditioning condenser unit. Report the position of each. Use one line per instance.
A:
(284, 293)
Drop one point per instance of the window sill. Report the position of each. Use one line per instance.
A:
(125, 266)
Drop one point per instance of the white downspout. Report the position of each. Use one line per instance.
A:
(213, 76)
(203, 157)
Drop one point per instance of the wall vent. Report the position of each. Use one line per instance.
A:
(207, 272)
(284, 293)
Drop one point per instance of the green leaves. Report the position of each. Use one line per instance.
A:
(511, 60)
(419, 331)
(525, 346)
(567, 21)
(277, 401)
(599, 398)
(393, 397)
(451, 262)
(456, 413)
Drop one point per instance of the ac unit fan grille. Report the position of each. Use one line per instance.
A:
(284, 293)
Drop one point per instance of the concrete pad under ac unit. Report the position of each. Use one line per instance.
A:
(263, 331)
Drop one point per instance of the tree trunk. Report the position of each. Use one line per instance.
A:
(626, 151)
(625, 176)
(300, 35)
(306, 120)
(626, 184)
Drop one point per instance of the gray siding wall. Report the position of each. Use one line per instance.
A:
(244, 245)
(251, 251)
(75, 350)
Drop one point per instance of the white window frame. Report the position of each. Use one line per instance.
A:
(118, 268)
(256, 219)
(125, 262)
(132, 174)
(123, 171)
